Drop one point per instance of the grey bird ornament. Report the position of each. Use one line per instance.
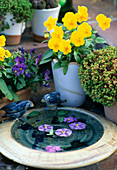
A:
(16, 109)
(52, 99)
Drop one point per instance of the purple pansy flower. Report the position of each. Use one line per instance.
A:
(77, 125)
(16, 70)
(51, 148)
(28, 75)
(47, 72)
(45, 128)
(70, 119)
(32, 50)
(22, 67)
(19, 60)
(39, 57)
(22, 50)
(63, 132)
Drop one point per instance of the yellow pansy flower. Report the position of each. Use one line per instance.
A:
(65, 46)
(2, 40)
(58, 33)
(70, 20)
(54, 44)
(85, 28)
(77, 38)
(2, 53)
(7, 54)
(50, 23)
(103, 21)
(82, 14)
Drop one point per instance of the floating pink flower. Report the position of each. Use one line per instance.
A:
(45, 128)
(70, 119)
(77, 125)
(51, 148)
(63, 132)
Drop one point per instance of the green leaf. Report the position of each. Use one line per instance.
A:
(33, 68)
(100, 40)
(62, 112)
(8, 70)
(15, 96)
(65, 69)
(0, 74)
(33, 114)
(22, 84)
(57, 65)
(47, 55)
(51, 132)
(77, 57)
(61, 118)
(45, 61)
(5, 90)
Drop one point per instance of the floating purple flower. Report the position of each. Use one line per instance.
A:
(19, 60)
(77, 125)
(39, 57)
(28, 75)
(70, 119)
(45, 128)
(63, 132)
(51, 148)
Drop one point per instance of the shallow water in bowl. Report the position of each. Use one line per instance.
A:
(27, 133)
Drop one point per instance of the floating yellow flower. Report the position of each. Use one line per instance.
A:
(7, 54)
(103, 21)
(54, 44)
(2, 53)
(2, 40)
(50, 23)
(77, 38)
(58, 33)
(65, 46)
(70, 20)
(82, 14)
(85, 28)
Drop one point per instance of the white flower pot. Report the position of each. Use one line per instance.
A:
(14, 33)
(38, 19)
(111, 113)
(69, 85)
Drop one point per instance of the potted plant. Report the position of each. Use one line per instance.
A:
(14, 14)
(98, 76)
(68, 44)
(19, 71)
(42, 10)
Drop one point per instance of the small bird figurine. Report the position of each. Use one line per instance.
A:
(52, 99)
(16, 109)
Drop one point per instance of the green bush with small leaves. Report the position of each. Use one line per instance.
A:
(98, 75)
(21, 10)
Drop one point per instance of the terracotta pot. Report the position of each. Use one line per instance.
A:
(111, 113)
(41, 15)
(23, 95)
(69, 85)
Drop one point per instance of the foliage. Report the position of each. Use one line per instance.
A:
(98, 75)
(19, 70)
(72, 40)
(21, 10)
(44, 4)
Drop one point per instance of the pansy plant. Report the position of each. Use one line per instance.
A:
(72, 40)
(19, 70)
